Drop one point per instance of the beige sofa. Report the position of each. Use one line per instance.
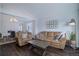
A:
(49, 37)
(23, 37)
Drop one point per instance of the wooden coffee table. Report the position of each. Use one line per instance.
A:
(39, 43)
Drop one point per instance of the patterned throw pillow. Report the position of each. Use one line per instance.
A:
(58, 37)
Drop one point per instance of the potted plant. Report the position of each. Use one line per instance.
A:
(73, 39)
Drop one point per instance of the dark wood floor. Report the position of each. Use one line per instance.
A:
(68, 51)
(14, 50)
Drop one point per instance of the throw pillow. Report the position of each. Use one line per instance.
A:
(60, 36)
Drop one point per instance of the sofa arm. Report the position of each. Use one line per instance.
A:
(62, 43)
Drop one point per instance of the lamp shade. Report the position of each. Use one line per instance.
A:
(72, 22)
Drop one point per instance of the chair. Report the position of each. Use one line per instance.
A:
(23, 37)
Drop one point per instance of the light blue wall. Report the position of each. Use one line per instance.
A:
(77, 28)
(61, 12)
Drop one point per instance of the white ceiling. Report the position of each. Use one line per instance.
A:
(33, 11)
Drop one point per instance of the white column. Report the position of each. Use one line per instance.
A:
(33, 27)
(24, 27)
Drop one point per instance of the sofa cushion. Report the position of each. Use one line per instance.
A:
(24, 35)
(50, 34)
(57, 33)
(49, 39)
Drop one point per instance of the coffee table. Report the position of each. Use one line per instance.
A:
(40, 43)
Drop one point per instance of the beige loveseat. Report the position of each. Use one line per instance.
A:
(23, 37)
(49, 37)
